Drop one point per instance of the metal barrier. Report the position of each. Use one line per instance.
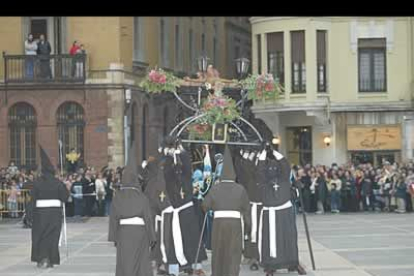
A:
(13, 202)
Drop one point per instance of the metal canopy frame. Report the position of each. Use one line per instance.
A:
(181, 126)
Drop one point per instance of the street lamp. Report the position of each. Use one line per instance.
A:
(202, 63)
(327, 140)
(127, 134)
(242, 67)
(128, 96)
(276, 140)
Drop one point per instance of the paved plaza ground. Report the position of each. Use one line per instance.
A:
(344, 245)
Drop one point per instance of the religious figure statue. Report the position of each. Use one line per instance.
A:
(72, 158)
(212, 80)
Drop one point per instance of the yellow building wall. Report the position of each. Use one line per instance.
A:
(342, 62)
(11, 40)
(101, 37)
(126, 41)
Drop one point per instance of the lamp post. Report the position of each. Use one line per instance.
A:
(202, 64)
(276, 142)
(242, 67)
(128, 97)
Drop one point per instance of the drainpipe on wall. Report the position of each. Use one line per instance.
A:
(125, 139)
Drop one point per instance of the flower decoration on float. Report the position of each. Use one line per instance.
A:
(263, 87)
(158, 81)
(219, 109)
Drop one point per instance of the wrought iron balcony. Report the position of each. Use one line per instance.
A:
(20, 69)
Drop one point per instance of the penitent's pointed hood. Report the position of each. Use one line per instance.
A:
(47, 169)
(130, 172)
(228, 167)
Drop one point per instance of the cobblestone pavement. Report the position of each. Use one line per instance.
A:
(344, 245)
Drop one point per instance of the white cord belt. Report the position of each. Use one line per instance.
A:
(45, 203)
(227, 214)
(253, 210)
(272, 227)
(176, 233)
(132, 221)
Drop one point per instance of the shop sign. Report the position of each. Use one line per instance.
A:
(377, 137)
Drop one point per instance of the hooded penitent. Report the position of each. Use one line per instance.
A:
(47, 195)
(228, 173)
(230, 204)
(181, 231)
(277, 234)
(131, 223)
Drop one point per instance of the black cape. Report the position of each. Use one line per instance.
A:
(47, 221)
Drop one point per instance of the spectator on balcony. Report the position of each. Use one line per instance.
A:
(30, 46)
(79, 61)
(43, 50)
(73, 51)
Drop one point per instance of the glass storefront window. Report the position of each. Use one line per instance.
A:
(376, 158)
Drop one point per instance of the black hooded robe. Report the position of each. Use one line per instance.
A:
(279, 231)
(228, 197)
(131, 224)
(248, 178)
(180, 193)
(156, 192)
(132, 241)
(48, 195)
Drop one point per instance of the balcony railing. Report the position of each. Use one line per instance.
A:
(44, 68)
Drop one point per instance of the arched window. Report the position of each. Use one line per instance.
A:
(70, 125)
(144, 131)
(22, 126)
(165, 122)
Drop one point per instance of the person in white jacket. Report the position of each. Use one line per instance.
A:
(100, 184)
(30, 46)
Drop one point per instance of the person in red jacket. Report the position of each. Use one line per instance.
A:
(75, 47)
(73, 51)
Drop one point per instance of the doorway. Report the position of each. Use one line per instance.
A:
(299, 145)
(38, 27)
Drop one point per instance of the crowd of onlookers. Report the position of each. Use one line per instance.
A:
(91, 191)
(345, 188)
(353, 188)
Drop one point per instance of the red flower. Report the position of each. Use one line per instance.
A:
(269, 87)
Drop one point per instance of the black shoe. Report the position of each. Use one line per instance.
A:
(42, 264)
(301, 270)
(189, 271)
(161, 271)
(254, 267)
